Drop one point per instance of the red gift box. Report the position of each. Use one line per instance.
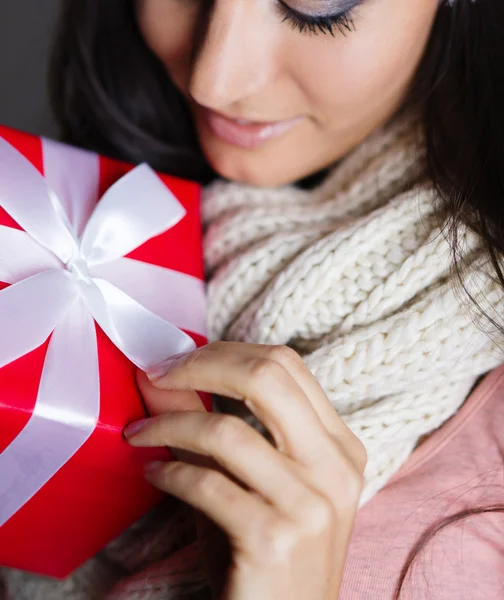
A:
(101, 490)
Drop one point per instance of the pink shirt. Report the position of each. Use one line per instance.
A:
(460, 466)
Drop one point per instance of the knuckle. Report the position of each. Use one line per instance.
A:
(354, 485)
(350, 485)
(278, 541)
(318, 516)
(207, 484)
(264, 369)
(226, 431)
(354, 451)
(347, 474)
(284, 355)
(360, 453)
(175, 472)
(355, 482)
(215, 346)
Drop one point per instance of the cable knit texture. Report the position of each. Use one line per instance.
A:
(356, 276)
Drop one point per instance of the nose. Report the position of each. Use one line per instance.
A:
(236, 54)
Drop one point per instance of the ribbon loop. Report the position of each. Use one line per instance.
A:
(122, 318)
(50, 294)
(79, 193)
(136, 208)
(29, 200)
(21, 256)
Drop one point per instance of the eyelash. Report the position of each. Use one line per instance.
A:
(342, 22)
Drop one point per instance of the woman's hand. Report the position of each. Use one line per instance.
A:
(288, 511)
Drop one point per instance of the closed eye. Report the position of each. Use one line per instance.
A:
(315, 24)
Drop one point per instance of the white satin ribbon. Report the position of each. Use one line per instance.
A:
(67, 269)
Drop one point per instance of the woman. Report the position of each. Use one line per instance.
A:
(356, 220)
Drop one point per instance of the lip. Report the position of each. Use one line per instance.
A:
(244, 133)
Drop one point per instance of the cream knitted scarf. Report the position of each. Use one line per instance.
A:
(355, 275)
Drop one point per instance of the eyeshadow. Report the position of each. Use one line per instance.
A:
(323, 7)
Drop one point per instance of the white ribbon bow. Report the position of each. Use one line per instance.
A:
(67, 268)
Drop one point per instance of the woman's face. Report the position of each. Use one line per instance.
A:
(275, 100)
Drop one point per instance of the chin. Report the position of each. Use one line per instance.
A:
(252, 169)
(244, 174)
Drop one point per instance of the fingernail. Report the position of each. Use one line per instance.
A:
(134, 427)
(153, 466)
(163, 368)
(160, 370)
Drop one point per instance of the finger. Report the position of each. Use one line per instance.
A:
(264, 385)
(236, 447)
(327, 414)
(233, 509)
(159, 401)
(294, 364)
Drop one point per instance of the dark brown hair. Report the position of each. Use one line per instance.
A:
(112, 95)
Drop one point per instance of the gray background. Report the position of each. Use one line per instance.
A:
(26, 28)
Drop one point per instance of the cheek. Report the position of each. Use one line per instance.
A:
(368, 71)
(169, 29)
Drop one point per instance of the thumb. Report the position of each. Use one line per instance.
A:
(158, 401)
